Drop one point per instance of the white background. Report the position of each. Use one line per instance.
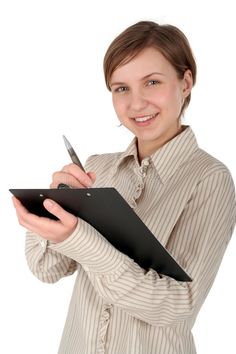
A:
(51, 83)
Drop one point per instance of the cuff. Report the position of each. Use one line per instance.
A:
(89, 248)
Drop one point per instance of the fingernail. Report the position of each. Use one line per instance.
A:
(48, 203)
(89, 183)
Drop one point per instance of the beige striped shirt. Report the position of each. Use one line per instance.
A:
(186, 198)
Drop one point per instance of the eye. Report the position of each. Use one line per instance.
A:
(152, 82)
(121, 89)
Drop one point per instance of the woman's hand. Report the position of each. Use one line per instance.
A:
(56, 230)
(73, 176)
(52, 230)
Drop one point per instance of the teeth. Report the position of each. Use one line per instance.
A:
(143, 119)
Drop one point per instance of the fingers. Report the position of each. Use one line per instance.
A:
(73, 176)
(65, 178)
(79, 174)
(53, 230)
(54, 208)
(92, 175)
(24, 217)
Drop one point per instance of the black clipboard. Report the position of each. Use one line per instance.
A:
(107, 211)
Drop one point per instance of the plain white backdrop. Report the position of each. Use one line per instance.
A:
(51, 83)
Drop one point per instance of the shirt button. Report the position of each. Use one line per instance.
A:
(43, 244)
(133, 204)
(146, 162)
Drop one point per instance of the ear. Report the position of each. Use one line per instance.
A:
(187, 83)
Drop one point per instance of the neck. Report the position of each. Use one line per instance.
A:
(147, 148)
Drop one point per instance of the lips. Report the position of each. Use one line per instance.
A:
(144, 119)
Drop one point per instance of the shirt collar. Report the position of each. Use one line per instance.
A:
(174, 153)
(130, 152)
(169, 157)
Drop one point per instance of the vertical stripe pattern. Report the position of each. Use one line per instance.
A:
(186, 198)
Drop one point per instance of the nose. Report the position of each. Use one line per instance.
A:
(137, 101)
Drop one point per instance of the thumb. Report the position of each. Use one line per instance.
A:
(92, 175)
(63, 215)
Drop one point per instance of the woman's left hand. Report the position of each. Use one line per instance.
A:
(52, 230)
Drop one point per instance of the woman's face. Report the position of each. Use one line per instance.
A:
(148, 96)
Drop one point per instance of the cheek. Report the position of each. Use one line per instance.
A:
(170, 99)
(119, 105)
(159, 99)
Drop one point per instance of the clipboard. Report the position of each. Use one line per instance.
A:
(108, 212)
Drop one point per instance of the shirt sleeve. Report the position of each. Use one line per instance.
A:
(47, 265)
(198, 242)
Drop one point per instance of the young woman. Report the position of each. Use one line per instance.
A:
(184, 196)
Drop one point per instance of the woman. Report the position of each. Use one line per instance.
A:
(184, 195)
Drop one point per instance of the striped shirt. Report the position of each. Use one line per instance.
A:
(186, 198)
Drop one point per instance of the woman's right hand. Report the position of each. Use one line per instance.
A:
(73, 176)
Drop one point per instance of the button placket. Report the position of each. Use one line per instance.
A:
(104, 322)
(141, 173)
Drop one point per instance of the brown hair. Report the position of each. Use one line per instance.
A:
(167, 39)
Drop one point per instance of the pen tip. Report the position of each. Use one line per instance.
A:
(68, 146)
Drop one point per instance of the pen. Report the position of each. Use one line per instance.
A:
(72, 154)
(74, 159)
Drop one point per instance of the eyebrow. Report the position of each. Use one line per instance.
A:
(143, 78)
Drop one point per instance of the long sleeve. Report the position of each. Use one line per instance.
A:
(187, 199)
(198, 242)
(47, 265)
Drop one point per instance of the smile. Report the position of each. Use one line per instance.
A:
(145, 119)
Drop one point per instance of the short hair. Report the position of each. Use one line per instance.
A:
(170, 41)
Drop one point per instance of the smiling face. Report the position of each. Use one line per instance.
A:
(148, 97)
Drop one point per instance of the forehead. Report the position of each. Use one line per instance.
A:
(147, 61)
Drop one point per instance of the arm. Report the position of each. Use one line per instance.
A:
(198, 243)
(47, 265)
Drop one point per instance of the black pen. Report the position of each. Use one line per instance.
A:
(74, 159)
